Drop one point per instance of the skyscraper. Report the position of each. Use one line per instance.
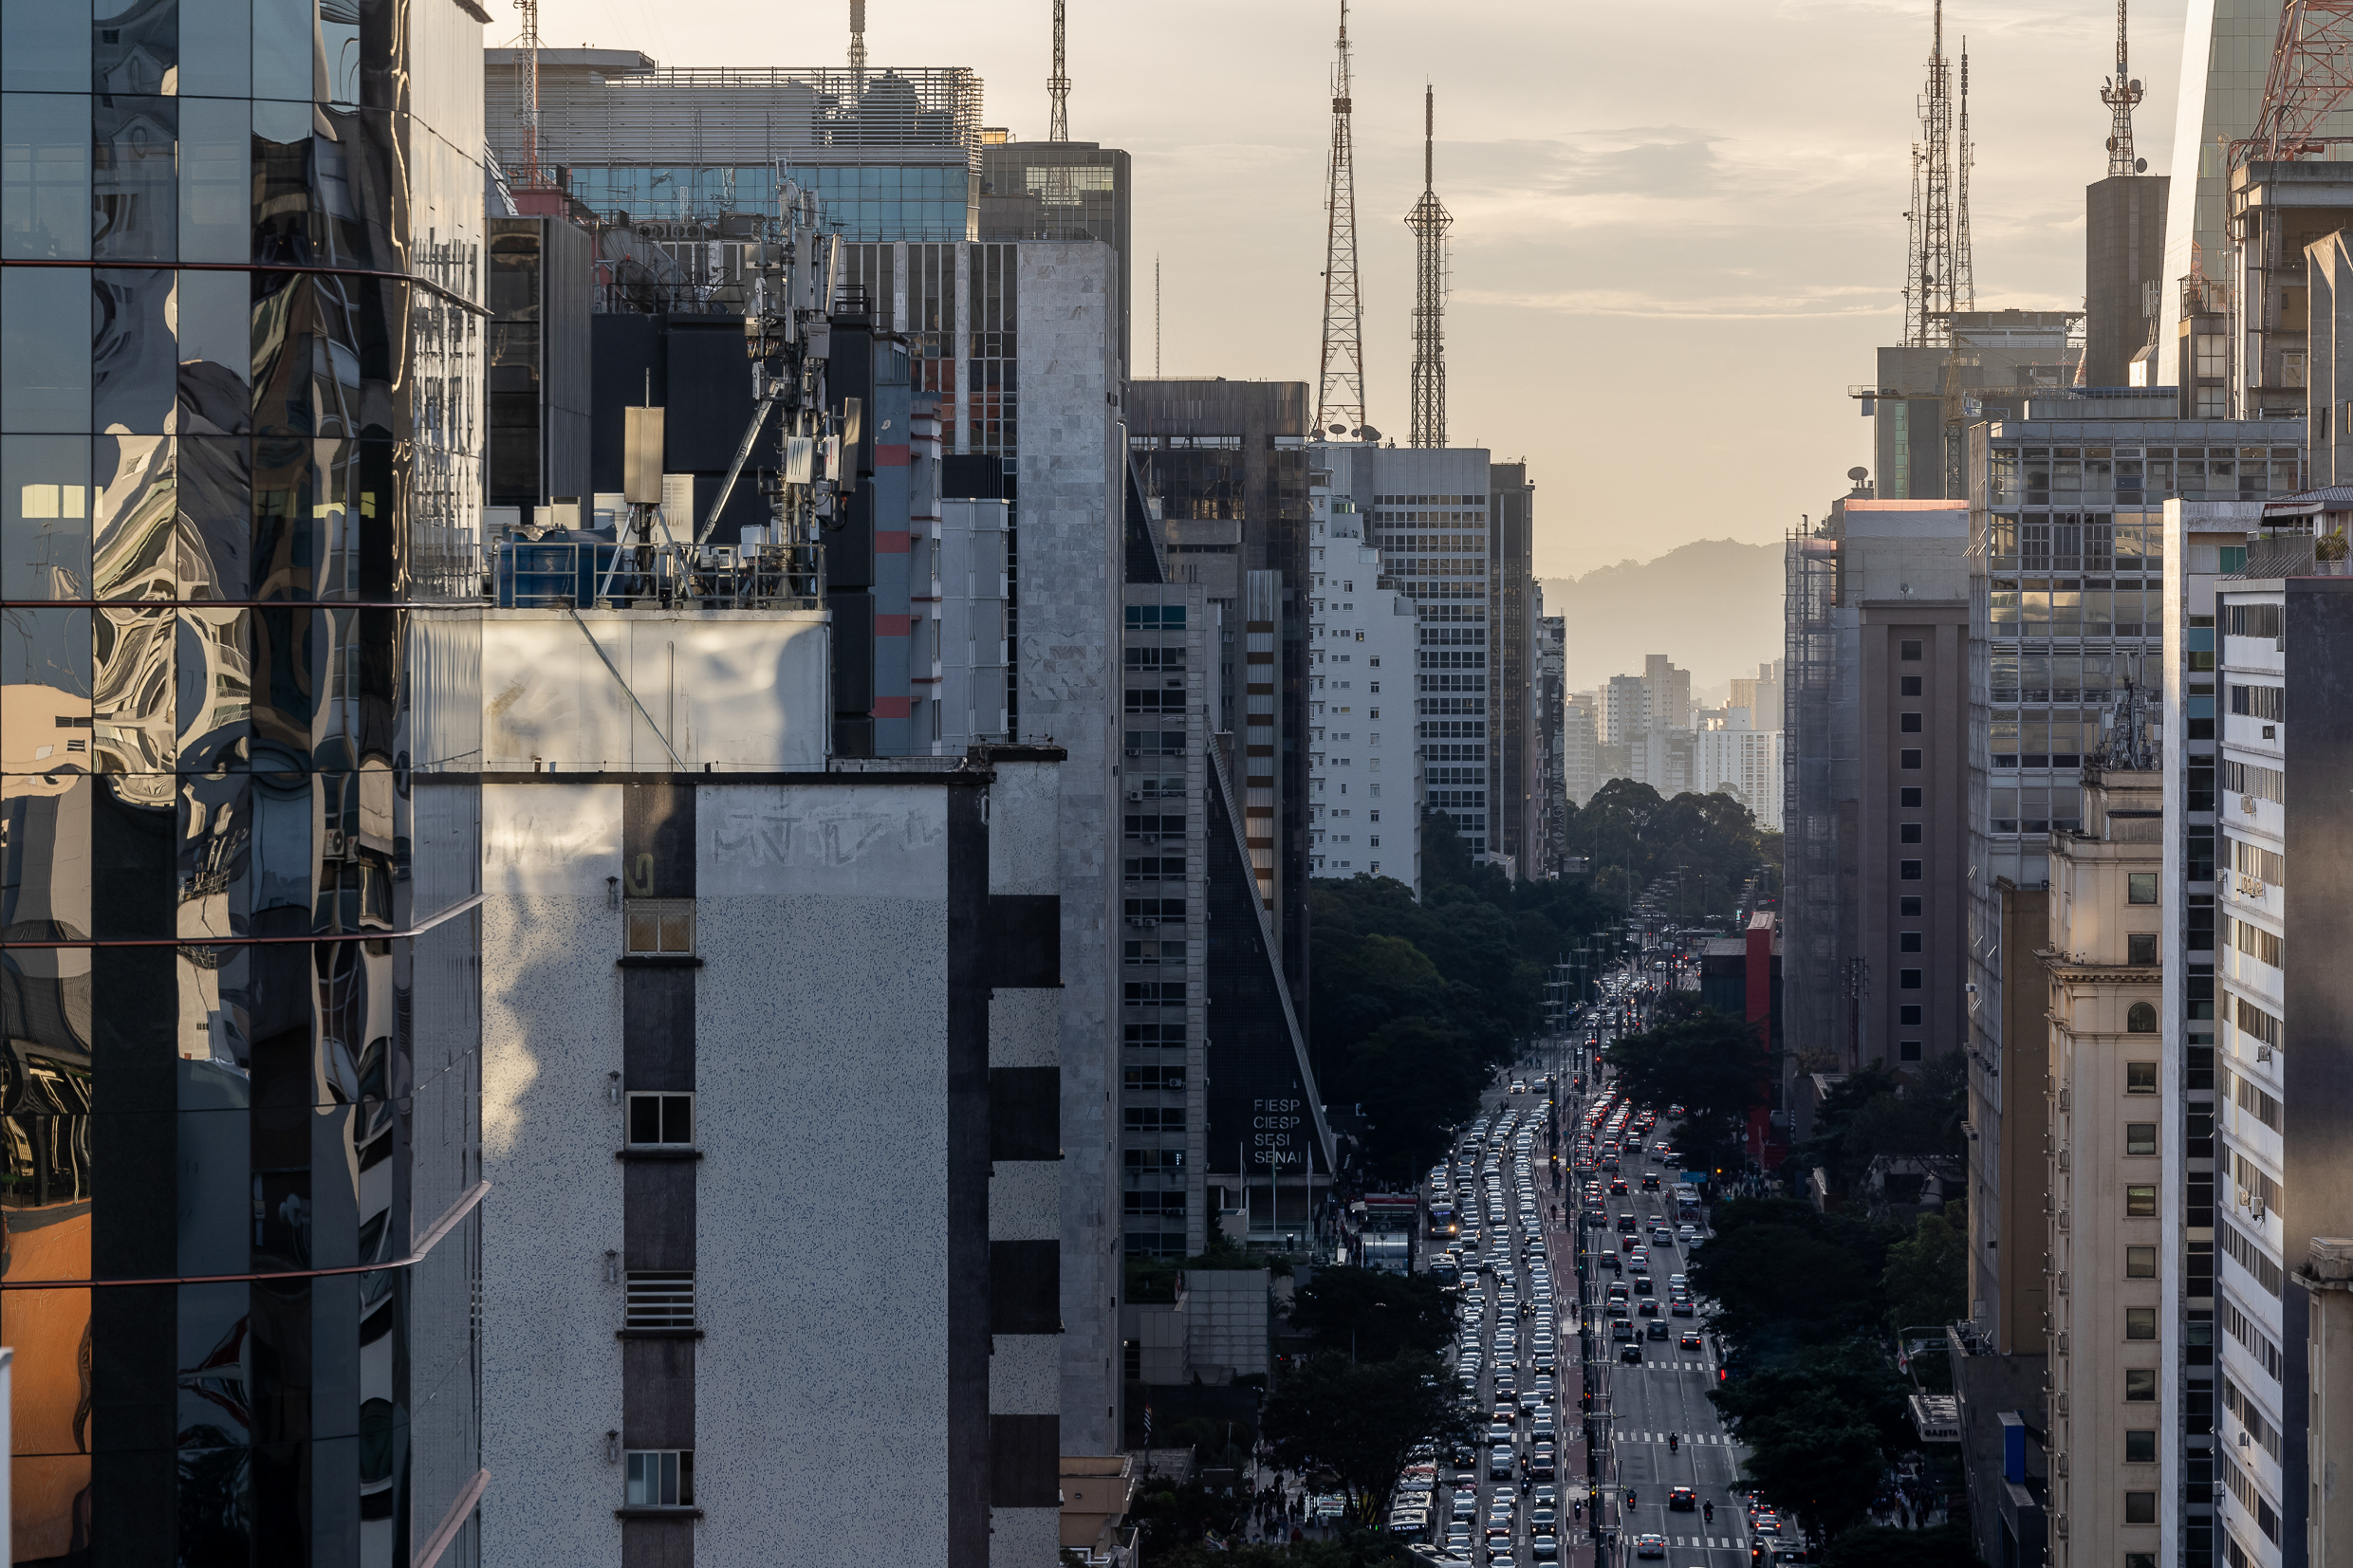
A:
(239, 399)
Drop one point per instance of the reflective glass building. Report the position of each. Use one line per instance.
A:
(240, 287)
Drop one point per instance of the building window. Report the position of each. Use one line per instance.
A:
(1909, 906)
(1908, 980)
(2141, 1446)
(661, 1478)
(1908, 871)
(1911, 686)
(661, 1122)
(2140, 1138)
(2140, 1508)
(2141, 948)
(1907, 1050)
(1908, 723)
(1909, 833)
(2140, 1018)
(660, 1299)
(1908, 649)
(1909, 758)
(2139, 1385)
(2141, 1263)
(2140, 887)
(1909, 1016)
(2140, 1559)
(1910, 799)
(1908, 942)
(2140, 1203)
(661, 927)
(2141, 1323)
(2140, 1076)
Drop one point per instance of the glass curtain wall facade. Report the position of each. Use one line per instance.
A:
(240, 396)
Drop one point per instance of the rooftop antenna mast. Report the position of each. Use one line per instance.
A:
(1339, 380)
(527, 100)
(1928, 292)
(1964, 267)
(1429, 221)
(2122, 94)
(858, 46)
(2310, 79)
(1058, 192)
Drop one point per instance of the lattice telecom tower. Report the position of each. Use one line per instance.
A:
(1340, 383)
(1429, 221)
(2311, 77)
(2122, 94)
(1928, 296)
(857, 40)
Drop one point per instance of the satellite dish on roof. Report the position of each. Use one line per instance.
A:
(1858, 474)
(2140, 166)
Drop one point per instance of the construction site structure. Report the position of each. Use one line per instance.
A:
(1429, 221)
(2122, 94)
(1340, 381)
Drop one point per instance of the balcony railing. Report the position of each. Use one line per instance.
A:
(589, 573)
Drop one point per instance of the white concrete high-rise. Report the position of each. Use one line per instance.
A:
(1365, 795)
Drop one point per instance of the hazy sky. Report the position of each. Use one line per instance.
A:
(1677, 230)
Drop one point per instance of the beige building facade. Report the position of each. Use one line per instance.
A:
(2104, 1173)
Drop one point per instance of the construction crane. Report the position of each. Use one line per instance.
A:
(2312, 75)
(1429, 220)
(1340, 381)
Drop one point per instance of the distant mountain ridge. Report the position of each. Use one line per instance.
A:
(1713, 606)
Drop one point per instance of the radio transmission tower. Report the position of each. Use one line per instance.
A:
(2311, 76)
(526, 99)
(1340, 383)
(2122, 94)
(1928, 290)
(1060, 200)
(1964, 268)
(1429, 221)
(857, 43)
(1058, 88)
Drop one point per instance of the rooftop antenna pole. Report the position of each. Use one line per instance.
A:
(1929, 289)
(1340, 379)
(1058, 87)
(526, 76)
(2122, 94)
(1429, 221)
(858, 44)
(1059, 196)
(1155, 313)
(1964, 267)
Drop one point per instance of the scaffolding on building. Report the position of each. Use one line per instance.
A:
(1813, 683)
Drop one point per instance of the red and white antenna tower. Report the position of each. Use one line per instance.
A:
(2311, 76)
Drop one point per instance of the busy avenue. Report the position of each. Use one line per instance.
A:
(1595, 1440)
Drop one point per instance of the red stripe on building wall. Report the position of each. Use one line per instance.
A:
(892, 626)
(891, 708)
(891, 541)
(889, 456)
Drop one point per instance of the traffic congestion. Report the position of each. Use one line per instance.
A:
(1563, 1218)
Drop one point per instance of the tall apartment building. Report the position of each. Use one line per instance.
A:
(240, 398)
(1428, 511)
(1875, 846)
(2282, 621)
(1363, 769)
(1580, 746)
(1745, 763)
(1760, 697)
(2103, 1224)
(1514, 609)
(2004, 359)
(1224, 463)
(1625, 709)
(2203, 539)
(1551, 697)
(1197, 949)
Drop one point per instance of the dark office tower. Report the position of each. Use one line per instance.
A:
(1224, 464)
(2123, 261)
(1057, 191)
(1511, 527)
(241, 257)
